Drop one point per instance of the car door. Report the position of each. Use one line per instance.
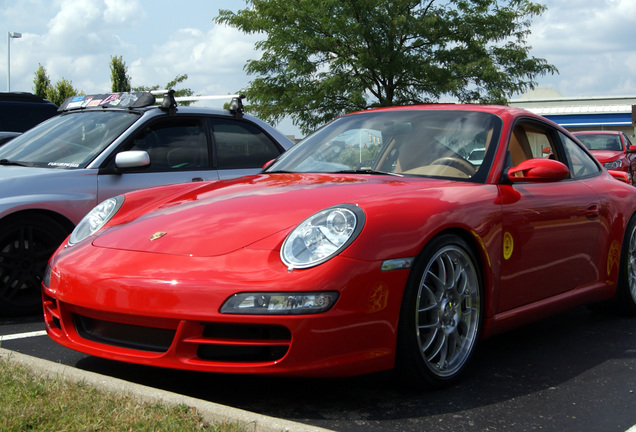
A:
(179, 152)
(551, 231)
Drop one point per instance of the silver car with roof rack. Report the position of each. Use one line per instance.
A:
(100, 146)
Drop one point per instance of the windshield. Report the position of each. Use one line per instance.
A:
(601, 141)
(428, 142)
(67, 141)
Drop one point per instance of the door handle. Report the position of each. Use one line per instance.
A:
(197, 179)
(592, 212)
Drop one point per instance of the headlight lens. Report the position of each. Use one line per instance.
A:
(279, 303)
(322, 236)
(613, 165)
(95, 219)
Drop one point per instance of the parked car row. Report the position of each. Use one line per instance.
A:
(373, 244)
(393, 238)
(100, 146)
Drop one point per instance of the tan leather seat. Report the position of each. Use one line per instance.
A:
(519, 146)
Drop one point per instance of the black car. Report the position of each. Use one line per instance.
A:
(21, 111)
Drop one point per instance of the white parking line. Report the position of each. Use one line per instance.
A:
(22, 335)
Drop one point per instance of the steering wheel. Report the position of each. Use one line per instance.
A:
(458, 163)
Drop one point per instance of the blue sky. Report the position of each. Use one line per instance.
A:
(591, 42)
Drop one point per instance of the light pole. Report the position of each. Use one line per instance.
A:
(10, 35)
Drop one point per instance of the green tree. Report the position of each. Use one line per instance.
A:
(62, 90)
(322, 59)
(171, 85)
(41, 82)
(119, 78)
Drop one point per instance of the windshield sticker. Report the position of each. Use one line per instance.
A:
(64, 164)
(123, 100)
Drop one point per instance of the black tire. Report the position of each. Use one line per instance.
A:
(441, 315)
(26, 244)
(626, 289)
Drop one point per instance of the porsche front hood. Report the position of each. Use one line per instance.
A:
(221, 217)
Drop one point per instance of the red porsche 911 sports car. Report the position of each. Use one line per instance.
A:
(374, 244)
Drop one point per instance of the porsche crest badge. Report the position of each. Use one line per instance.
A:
(157, 235)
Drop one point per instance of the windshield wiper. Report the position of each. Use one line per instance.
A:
(367, 171)
(7, 162)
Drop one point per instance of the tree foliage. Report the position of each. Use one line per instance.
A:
(41, 82)
(120, 80)
(55, 93)
(322, 59)
(60, 91)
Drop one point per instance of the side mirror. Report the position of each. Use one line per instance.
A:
(132, 159)
(632, 149)
(538, 171)
(620, 175)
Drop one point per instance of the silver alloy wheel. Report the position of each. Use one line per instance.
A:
(448, 311)
(631, 264)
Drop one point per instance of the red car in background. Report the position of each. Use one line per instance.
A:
(613, 149)
(373, 244)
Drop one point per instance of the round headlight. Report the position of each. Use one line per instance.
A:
(322, 236)
(95, 219)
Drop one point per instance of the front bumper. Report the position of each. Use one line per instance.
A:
(163, 311)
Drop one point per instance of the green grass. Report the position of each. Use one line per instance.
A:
(29, 402)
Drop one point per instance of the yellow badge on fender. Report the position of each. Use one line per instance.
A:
(508, 245)
(157, 235)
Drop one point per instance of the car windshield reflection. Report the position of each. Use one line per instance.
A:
(410, 143)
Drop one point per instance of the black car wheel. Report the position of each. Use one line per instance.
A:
(26, 244)
(441, 314)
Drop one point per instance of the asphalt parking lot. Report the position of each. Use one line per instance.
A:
(573, 372)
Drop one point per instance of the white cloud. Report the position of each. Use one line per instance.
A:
(591, 44)
(213, 60)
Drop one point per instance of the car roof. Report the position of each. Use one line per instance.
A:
(23, 97)
(499, 110)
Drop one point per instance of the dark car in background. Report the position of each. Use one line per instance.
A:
(613, 149)
(101, 146)
(20, 111)
(5, 137)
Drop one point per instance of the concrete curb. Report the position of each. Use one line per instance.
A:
(211, 412)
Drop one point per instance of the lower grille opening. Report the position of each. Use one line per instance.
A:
(244, 343)
(124, 335)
